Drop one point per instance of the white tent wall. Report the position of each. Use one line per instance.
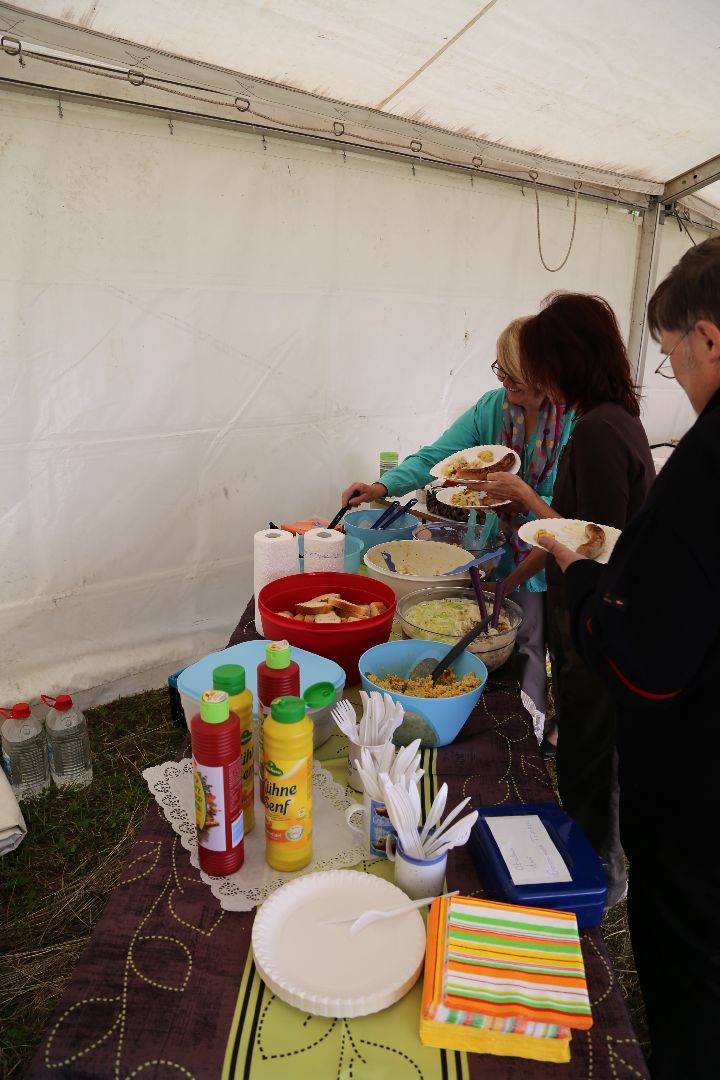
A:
(201, 331)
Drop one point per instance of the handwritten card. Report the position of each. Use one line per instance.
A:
(528, 850)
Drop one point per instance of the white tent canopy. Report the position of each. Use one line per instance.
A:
(248, 246)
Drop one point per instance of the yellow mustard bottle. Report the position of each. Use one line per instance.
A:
(231, 679)
(287, 784)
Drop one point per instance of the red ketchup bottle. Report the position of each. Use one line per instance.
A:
(277, 676)
(217, 772)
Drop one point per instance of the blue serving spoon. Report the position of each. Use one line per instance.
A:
(476, 562)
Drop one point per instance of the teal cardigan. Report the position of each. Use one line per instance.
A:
(479, 426)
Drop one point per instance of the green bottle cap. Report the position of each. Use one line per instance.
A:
(287, 710)
(230, 678)
(214, 706)
(319, 695)
(277, 654)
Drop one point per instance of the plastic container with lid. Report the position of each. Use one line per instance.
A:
(287, 779)
(24, 752)
(217, 774)
(319, 700)
(231, 679)
(68, 742)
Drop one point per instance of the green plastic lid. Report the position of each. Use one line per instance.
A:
(389, 455)
(277, 654)
(214, 706)
(230, 678)
(287, 710)
(319, 695)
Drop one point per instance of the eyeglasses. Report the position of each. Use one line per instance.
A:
(502, 374)
(670, 374)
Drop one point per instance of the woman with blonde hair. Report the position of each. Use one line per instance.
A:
(523, 418)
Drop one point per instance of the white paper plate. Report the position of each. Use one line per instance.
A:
(320, 968)
(470, 454)
(483, 501)
(569, 531)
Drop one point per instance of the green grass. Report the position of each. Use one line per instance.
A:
(53, 888)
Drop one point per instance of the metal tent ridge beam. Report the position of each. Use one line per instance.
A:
(692, 180)
(499, 172)
(45, 44)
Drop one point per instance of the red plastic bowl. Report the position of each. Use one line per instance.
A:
(344, 643)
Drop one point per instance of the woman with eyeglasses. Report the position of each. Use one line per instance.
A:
(656, 648)
(574, 350)
(522, 417)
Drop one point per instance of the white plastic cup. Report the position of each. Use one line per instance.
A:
(354, 749)
(416, 877)
(376, 828)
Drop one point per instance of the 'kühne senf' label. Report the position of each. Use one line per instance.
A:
(287, 789)
(211, 813)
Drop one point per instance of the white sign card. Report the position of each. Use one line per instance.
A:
(528, 850)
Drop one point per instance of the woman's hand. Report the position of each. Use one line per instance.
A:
(358, 492)
(564, 556)
(507, 486)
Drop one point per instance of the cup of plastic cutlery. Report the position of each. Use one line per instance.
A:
(374, 826)
(354, 749)
(416, 877)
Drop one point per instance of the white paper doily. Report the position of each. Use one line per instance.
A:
(172, 786)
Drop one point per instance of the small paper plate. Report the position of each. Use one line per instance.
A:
(319, 967)
(481, 500)
(470, 455)
(569, 531)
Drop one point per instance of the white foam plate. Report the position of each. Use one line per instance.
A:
(481, 500)
(470, 455)
(569, 531)
(321, 969)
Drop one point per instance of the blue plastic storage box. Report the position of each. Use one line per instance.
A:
(584, 894)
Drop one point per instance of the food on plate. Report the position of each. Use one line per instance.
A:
(331, 609)
(467, 497)
(448, 684)
(542, 532)
(594, 543)
(475, 475)
(481, 462)
(453, 617)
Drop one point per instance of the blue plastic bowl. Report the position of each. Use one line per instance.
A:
(436, 721)
(353, 554)
(355, 526)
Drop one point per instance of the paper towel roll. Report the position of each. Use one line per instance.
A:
(324, 550)
(275, 556)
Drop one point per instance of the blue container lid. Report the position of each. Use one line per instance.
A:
(313, 669)
(584, 894)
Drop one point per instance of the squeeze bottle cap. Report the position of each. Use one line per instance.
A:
(277, 654)
(287, 710)
(229, 677)
(214, 706)
(319, 695)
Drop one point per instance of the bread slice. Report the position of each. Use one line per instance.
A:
(328, 617)
(344, 607)
(318, 606)
(377, 609)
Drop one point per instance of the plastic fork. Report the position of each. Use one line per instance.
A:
(359, 922)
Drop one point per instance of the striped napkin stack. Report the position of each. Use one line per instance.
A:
(503, 979)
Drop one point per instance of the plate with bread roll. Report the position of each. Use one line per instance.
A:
(475, 464)
(583, 537)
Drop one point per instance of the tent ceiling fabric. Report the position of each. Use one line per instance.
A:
(605, 84)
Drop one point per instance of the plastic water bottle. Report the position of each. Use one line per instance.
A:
(24, 752)
(68, 742)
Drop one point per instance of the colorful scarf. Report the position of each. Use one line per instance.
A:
(542, 457)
